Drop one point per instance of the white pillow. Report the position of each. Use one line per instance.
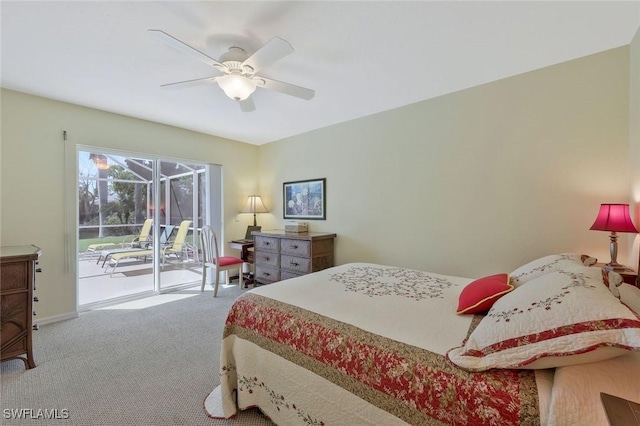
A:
(547, 264)
(630, 296)
(612, 280)
(557, 319)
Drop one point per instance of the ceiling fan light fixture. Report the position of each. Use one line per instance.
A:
(236, 86)
(238, 69)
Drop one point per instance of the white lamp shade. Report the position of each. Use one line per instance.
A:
(236, 86)
(254, 205)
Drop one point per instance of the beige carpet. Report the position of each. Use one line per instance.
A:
(133, 366)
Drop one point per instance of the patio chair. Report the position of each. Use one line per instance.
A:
(211, 259)
(117, 255)
(107, 252)
(94, 250)
(128, 254)
(97, 249)
(144, 238)
(180, 247)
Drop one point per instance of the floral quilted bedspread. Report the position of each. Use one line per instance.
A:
(414, 385)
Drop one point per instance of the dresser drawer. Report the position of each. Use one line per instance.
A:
(266, 243)
(15, 318)
(280, 255)
(267, 258)
(301, 265)
(18, 347)
(15, 275)
(295, 247)
(17, 270)
(266, 275)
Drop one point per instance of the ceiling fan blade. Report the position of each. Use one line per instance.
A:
(173, 42)
(286, 88)
(195, 80)
(247, 105)
(271, 52)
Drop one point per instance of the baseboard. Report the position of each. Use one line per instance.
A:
(56, 318)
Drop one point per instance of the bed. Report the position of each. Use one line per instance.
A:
(371, 344)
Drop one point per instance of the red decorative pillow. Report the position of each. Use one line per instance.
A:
(478, 296)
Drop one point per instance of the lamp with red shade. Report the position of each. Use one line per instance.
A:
(614, 218)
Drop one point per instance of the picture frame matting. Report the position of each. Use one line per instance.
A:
(305, 199)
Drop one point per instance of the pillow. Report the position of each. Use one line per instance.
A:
(630, 296)
(563, 318)
(564, 262)
(612, 280)
(546, 264)
(478, 296)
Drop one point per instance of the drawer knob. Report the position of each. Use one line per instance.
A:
(294, 247)
(266, 243)
(266, 258)
(294, 263)
(34, 313)
(267, 274)
(36, 327)
(35, 299)
(38, 269)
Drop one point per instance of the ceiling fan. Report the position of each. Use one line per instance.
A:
(238, 78)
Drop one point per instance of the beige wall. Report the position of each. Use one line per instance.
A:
(33, 181)
(470, 183)
(634, 139)
(474, 182)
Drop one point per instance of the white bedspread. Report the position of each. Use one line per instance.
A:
(404, 306)
(397, 303)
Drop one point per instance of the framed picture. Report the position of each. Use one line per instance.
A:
(305, 199)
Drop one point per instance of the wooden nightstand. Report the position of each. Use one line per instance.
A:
(620, 412)
(628, 275)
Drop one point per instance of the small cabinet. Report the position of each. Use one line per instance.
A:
(281, 255)
(628, 275)
(18, 267)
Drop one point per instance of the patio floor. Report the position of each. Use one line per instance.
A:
(132, 276)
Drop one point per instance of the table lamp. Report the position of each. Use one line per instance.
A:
(614, 218)
(254, 205)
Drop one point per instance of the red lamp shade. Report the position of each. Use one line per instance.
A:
(614, 218)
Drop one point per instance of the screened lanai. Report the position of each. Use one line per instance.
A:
(120, 223)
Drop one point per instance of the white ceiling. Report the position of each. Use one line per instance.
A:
(361, 57)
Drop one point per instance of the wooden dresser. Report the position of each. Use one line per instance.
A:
(18, 265)
(280, 255)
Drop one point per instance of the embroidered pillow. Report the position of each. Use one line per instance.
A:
(478, 296)
(630, 296)
(546, 264)
(564, 318)
(612, 280)
(588, 260)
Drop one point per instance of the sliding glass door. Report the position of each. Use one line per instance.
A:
(182, 214)
(138, 223)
